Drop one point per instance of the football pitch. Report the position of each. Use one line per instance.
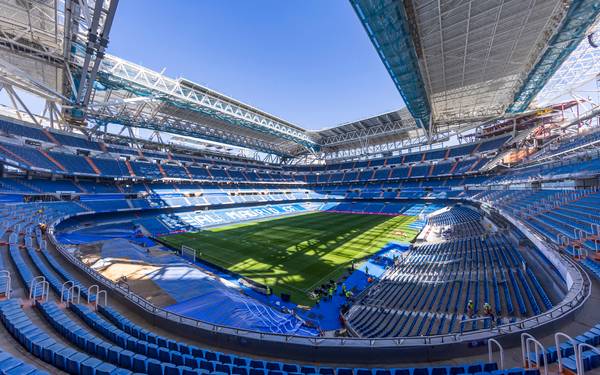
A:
(296, 254)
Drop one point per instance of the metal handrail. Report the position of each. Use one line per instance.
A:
(64, 290)
(101, 293)
(33, 285)
(557, 337)
(492, 342)
(73, 295)
(475, 320)
(4, 274)
(579, 352)
(45, 290)
(89, 292)
(526, 340)
(36, 282)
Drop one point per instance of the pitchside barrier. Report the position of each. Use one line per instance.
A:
(188, 253)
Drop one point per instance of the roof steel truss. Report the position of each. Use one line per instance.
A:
(581, 15)
(387, 129)
(582, 67)
(470, 60)
(31, 28)
(122, 74)
(143, 115)
(475, 52)
(420, 141)
(457, 63)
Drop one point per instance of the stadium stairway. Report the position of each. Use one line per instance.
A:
(35, 335)
(129, 168)
(93, 165)
(53, 160)
(51, 137)
(20, 293)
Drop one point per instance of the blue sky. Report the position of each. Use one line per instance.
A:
(308, 61)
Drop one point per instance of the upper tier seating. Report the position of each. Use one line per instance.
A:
(146, 169)
(109, 165)
(561, 145)
(568, 218)
(586, 166)
(75, 141)
(10, 127)
(29, 156)
(73, 163)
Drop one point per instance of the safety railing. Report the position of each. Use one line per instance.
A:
(101, 293)
(75, 294)
(491, 343)
(557, 337)
(64, 291)
(5, 275)
(526, 341)
(39, 283)
(466, 322)
(92, 291)
(579, 356)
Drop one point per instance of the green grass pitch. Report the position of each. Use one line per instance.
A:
(295, 254)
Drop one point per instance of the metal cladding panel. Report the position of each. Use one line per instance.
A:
(387, 25)
(464, 62)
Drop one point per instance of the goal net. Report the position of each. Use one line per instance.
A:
(188, 253)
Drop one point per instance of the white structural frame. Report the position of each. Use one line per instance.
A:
(581, 68)
(196, 95)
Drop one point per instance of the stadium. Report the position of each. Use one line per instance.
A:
(151, 225)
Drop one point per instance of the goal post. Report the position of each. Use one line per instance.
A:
(188, 253)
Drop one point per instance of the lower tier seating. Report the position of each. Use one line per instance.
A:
(108, 343)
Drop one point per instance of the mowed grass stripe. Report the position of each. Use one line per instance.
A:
(295, 254)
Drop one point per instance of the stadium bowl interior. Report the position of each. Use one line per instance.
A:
(457, 235)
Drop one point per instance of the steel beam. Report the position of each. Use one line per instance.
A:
(581, 15)
(387, 129)
(387, 25)
(581, 68)
(120, 74)
(173, 125)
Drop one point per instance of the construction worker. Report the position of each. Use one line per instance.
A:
(367, 270)
(487, 310)
(344, 288)
(348, 294)
(330, 293)
(470, 308)
(269, 291)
